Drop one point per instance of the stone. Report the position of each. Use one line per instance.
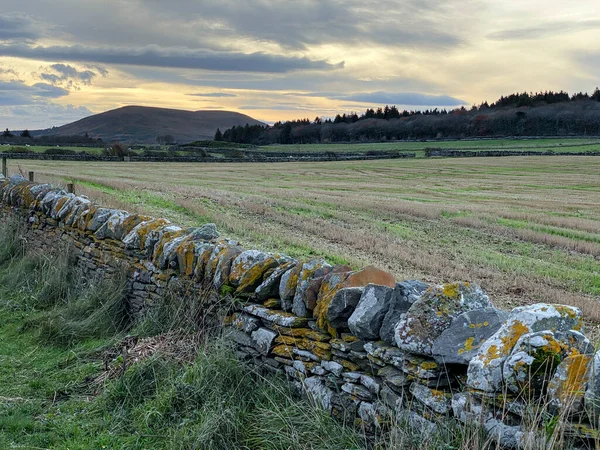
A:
(371, 383)
(342, 306)
(244, 322)
(434, 312)
(365, 322)
(357, 391)
(311, 295)
(317, 389)
(219, 269)
(485, 369)
(592, 392)
(333, 367)
(158, 239)
(567, 387)
(404, 295)
(269, 288)
(334, 282)
(100, 217)
(536, 356)
(287, 286)
(394, 377)
(280, 318)
(206, 232)
(433, 399)
(459, 343)
(388, 354)
(264, 340)
(309, 269)
(136, 239)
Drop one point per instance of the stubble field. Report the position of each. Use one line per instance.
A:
(526, 228)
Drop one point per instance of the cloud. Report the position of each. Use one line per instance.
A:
(276, 107)
(18, 27)
(544, 30)
(155, 56)
(388, 98)
(69, 76)
(302, 23)
(40, 115)
(18, 93)
(214, 94)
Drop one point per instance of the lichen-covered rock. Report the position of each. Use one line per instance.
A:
(264, 339)
(269, 288)
(119, 225)
(136, 239)
(318, 390)
(111, 226)
(592, 392)
(248, 270)
(311, 295)
(536, 356)
(485, 369)
(433, 312)
(365, 322)
(305, 275)
(386, 353)
(219, 269)
(567, 388)
(158, 239)
(206, 232)
(281, 318)
(434, 399)
(342, 306)
(48, 202)
(287, 286)
(459, 343)
(335, 282)
(403, 297)
(243, 322)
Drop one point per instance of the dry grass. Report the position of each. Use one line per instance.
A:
(527, 229)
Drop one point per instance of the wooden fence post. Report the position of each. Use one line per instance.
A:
(31, 176)
(71, 188)
(4, 167)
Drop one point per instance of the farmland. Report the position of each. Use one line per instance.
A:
(526, 228)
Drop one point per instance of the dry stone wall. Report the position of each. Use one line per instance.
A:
(365, 346)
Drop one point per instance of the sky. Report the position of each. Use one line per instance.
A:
(279, 60)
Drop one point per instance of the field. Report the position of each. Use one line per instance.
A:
(526, 228)
(542, 145)
(573, 145)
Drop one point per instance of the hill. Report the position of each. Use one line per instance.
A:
(143, 124)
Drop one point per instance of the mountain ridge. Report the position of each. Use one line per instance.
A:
(143, 124)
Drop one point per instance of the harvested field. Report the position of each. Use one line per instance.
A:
(526, 228)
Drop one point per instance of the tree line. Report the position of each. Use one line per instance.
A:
(520, 114)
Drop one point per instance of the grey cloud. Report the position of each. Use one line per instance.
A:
(155, 56)
(39, 115)
(68, 76)
(18, 27)
(214, 94)
(18, 93)
(402, 23)
(544, 30)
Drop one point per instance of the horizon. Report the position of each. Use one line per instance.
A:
(62, 63)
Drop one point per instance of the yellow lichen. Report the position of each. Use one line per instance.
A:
(428, 365)
(467, 347)
(451, 290)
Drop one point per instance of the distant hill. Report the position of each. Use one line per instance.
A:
(141, 124)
